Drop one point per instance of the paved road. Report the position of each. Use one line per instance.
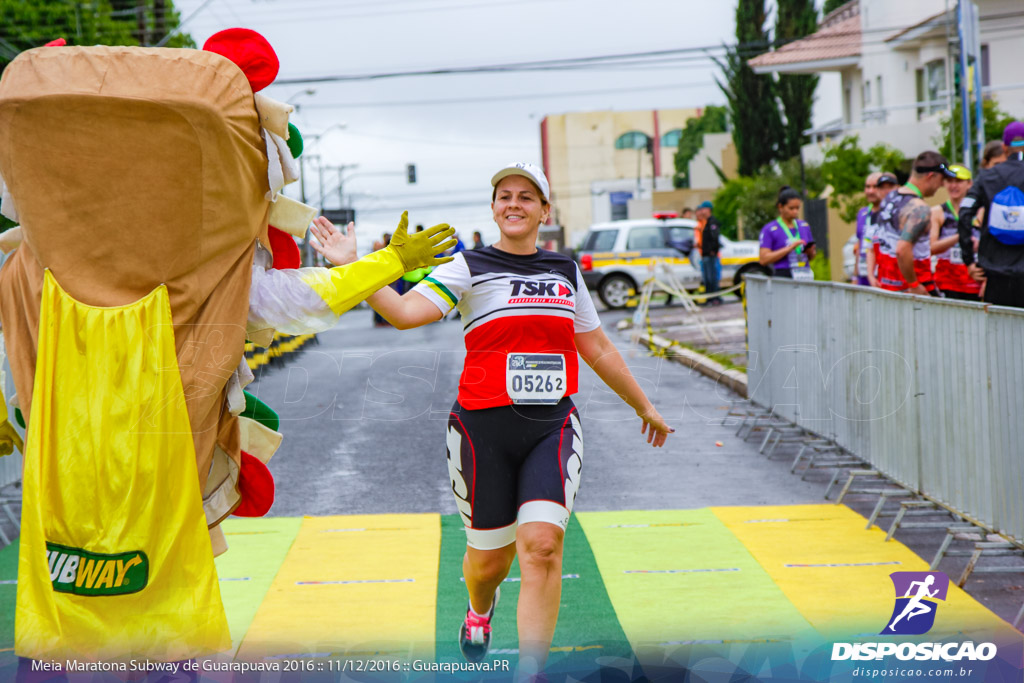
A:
(364, 411)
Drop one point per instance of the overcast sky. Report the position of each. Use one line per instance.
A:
(460, 129)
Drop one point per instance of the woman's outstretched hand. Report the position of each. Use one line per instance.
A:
(655, 427)
(337, 246)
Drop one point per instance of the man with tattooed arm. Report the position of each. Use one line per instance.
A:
(905, 258)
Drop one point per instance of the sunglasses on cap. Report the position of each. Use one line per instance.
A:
(937, 168)
(962, 172)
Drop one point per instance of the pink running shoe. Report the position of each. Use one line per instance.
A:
(475, 633)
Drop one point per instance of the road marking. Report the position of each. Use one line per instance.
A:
(376, 528)
(844, 564)
(679, 571)
(652, 525)
(348, 583)
(516, 579)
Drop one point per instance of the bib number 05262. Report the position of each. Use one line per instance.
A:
(535, 378)
(537, 384)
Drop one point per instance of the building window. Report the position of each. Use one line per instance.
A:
(620, 204)
(671, 138)
(867, 93)
(634, 139)
(986, 75)
(931, 80)
(878, 92)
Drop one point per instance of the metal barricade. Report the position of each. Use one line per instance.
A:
(929, 391)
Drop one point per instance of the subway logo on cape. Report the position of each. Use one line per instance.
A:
(80, 572)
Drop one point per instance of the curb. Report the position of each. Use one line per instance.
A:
(735, 380)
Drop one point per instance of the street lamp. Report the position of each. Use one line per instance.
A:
(291, 100)
(315, 140)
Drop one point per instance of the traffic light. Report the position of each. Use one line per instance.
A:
(410, 172)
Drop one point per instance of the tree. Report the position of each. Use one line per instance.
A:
(751, 200)
(995, 120)
(845, 167)
(25, 25)
(795, 19)
(712, 120)
(832, 5)
(756, 123)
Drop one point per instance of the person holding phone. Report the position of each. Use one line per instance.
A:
(787, 244)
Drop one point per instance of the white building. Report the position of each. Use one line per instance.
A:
(895, 64)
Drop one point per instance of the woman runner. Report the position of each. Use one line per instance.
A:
(514, 437)
(950, 272)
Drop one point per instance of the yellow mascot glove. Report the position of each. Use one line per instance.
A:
(9, 439)
(421, 249)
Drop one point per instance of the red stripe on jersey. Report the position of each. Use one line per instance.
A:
(482, 384)
(955, 278)
(890, 277)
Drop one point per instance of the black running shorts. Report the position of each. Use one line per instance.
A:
(511, 465)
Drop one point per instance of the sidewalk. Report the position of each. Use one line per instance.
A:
(677, 332)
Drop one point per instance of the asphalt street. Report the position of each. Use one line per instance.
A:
(364, 411)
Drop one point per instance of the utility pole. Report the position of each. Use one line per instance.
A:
(159, 19)
(140, 16)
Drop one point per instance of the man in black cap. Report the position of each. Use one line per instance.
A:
(1000, 261)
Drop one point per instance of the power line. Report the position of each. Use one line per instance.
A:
(500, 98)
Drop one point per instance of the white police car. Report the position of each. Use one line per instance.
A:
(614, 256)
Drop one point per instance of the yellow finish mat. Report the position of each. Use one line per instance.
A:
(353, 585)
(256, 549)
(679, 576)
(836, 572)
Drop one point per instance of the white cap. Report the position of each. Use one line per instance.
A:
(527, 170)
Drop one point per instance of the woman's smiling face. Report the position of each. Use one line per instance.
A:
(518, 207)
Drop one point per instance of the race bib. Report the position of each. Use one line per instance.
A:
(803, 273)
(956, 256)
(535, 378)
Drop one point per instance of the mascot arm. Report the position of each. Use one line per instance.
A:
(309, 300)
(9, 438)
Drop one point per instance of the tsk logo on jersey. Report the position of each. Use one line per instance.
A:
(916, 596)
(534, 292)
(534, 288)
(77, 571)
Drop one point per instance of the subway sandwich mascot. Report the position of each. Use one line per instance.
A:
(154, 242)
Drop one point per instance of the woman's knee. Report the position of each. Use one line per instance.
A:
(489, 565)
(540, 543)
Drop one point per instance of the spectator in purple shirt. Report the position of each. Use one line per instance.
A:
(787, 244)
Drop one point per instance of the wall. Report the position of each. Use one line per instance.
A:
(1006, 54)
(581, 156)
(677, 200)
(720, 148)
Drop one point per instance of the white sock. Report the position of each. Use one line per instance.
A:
(474, 612)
